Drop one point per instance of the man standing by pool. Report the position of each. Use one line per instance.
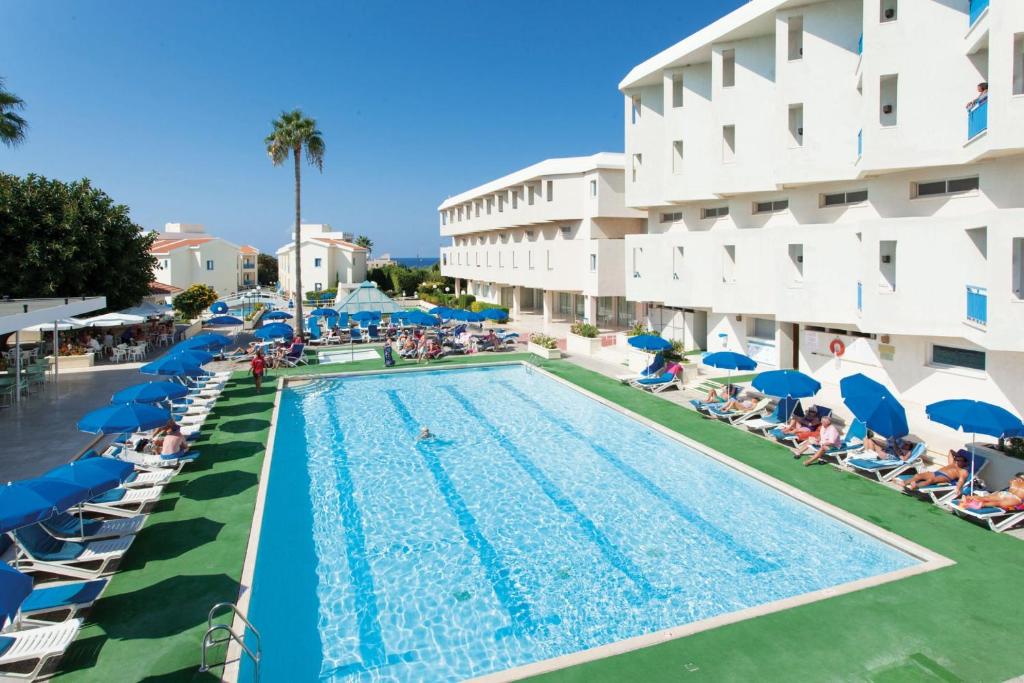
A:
(257, 367)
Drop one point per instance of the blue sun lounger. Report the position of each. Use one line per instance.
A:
(943, 495)
(658, 384)
(69, 528)
(67, 600)
(853, 443)
(39, 551)
(785, 409)
(998, 519)
(887, 469)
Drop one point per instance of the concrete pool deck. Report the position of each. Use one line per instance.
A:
(944, 625)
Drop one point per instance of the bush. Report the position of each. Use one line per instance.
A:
(677, 352)
(639, 328)
(322, 295)
(194, 300)
(543, 341)
(584, 330)
(464, 300)
(1015, 447)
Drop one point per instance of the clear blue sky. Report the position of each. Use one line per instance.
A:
(165, 105)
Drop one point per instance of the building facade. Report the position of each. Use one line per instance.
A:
(546, 240)
(329, 260)
(187, 255)
(825, 189)
(248, 264)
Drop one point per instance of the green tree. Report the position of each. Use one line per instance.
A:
(12, 125)
(365, 242)
(293, 134)
(266, 269)
(70, 239)
(194, 300)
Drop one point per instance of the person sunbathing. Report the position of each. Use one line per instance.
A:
(720, 395)
(244, 351)
(1010, 498)
(802, 427)
(828, 437)
(738, 404)
(890, 448)
(953, 472)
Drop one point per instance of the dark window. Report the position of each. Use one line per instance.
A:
(963, 184)
(771, 207)
(939, 187)
(671, 217)
(964, 358)
(843, 198)
(714, 212)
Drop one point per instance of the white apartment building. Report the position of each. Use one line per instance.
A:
(329, 260)
(248, 266)
(813, 181)
(547, 239)
(187, 255)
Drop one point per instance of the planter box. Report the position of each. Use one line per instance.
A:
(72, 362)
(546, 354)
(622, 340)
(585, 346)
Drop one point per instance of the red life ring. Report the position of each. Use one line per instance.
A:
(837, 347)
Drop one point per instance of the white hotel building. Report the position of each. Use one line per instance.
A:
(546, 240)
(809, 173)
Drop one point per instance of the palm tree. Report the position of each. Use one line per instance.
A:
(294, 132)
(365, 242)
(12, 126)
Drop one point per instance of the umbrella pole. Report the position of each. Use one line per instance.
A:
(56, 352)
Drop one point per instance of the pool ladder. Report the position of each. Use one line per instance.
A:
(211, 639)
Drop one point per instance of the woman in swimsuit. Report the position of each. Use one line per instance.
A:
(955, 472)
(1011, 497)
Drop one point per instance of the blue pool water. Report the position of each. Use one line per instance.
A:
(537, 522)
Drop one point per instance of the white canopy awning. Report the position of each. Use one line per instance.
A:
(146, 309)
(62, 326)
(113, 320)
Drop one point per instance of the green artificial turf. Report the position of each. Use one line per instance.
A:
(956, 623)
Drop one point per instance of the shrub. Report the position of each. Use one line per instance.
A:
(639, 328)
(584, 330)
(194, 300)
(464, 300)
(677, 352)
(543, 340)
(1015, 447)
(322, 295)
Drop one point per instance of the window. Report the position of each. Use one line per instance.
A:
(501, 203)
(728, 143)
(956, 357)
(1017, 261)
(677, 90)
(444, 259)
(887, 10)
(209, 264)
(490, 204)
(165, 264)
(638, 160)
(677, 157)
(773, 206)
(935, 188)
(515, 199)
(593, 263)
(677, 262)
(529, 259)
(796, 260)
(888, 91)
(635, 108)
(672, 217)
(1018, 64)
(796, 38)
(843, 198)
(317, 262)
(478, 209)
(762, 328)
(566, 231)
(796, 125)
(515, 264)
(444, 218)
(547, 259)
(887, 264)
(729, 263)
(593, 188)
(531, 192)
(714, 212)
(551, 190)
(728, 68)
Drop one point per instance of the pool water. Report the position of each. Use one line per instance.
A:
(535, 523)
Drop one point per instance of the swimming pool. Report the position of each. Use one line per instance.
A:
(537, 522)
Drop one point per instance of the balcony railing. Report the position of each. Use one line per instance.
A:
(977, 305)
(860, 143)
(977, 119)
(977, 7)
(860, 296)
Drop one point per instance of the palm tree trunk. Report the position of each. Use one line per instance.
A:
(297, 153)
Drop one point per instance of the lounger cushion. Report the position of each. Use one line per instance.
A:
(111, 496)
(5, 644)
(69, 525)
(56, 597)
(45, 547)
(867, 464)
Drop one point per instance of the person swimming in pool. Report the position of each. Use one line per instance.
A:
(955, 472)
(424, 434)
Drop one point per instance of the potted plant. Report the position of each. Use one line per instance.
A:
(544, 346)
(638, 328)
(583, 339)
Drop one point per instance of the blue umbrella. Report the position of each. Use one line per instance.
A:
(206, 340)
(325, 312)
(219, 307)
(124, 417)
(729, 360)
(649, 342)
(787, 384)
(281, 315)
(420, 318)
(150, 392)
(976, 417)
(14, 588)
(494, 314)
(274, 330)
(21, 506)
(94, 475)
(197, 356)
(366, 315)
(439, 310)
(172, 365)
(223, 320)
(874, 405)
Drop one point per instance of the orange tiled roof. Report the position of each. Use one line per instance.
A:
(160, 288)
(165, 246)
(248, 249)
(339, 243)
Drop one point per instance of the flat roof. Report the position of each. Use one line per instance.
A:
(17, 314)
(548, 167)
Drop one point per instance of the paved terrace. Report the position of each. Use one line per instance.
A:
(946, 625)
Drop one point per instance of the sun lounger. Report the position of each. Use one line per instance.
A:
(784, 410)
(40, 645)
(122, 502)
(296, 356)
(143, 480)
(853, 443)
(69, 527)
(739, 416)
(38, 551)
(652, 370)
(887, 469)
(943, 495)
(656, 385)
(60, 602)
(998, 519)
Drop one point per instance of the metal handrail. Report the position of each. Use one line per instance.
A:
(209, 640)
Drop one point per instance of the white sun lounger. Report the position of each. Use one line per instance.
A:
(40, 644)
(37, 551)
(130, 504)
